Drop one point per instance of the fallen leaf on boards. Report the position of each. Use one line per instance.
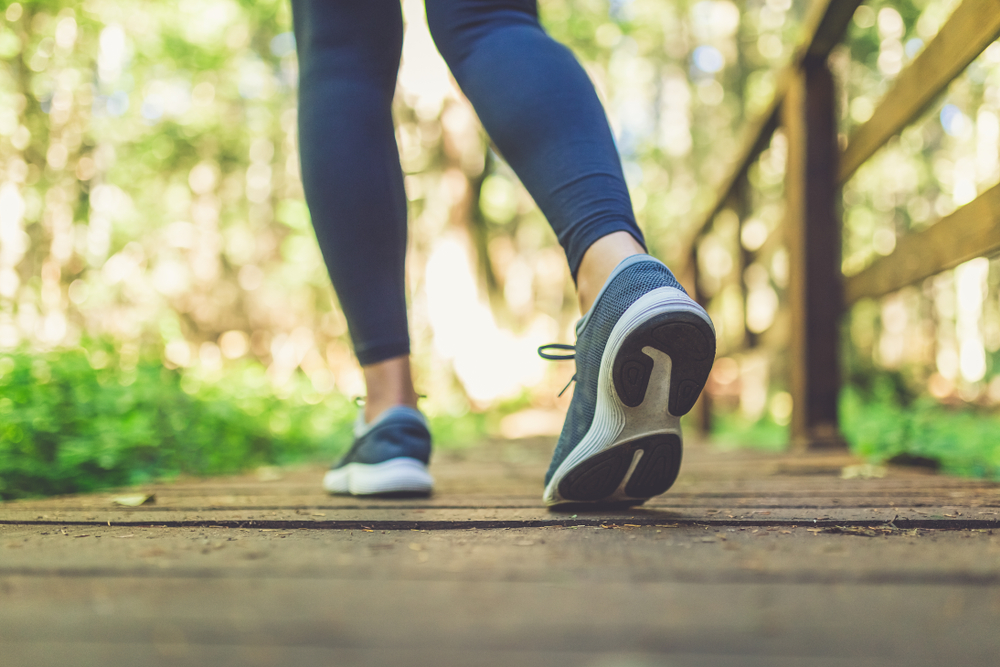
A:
(135, 500)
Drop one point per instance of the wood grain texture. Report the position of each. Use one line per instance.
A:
(971, 28)
(971, 231)
(751, 560)
(498, 485)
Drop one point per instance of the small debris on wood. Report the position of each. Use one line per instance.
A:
(887, 528)
(269, 474)
(135, 500)
(863, 471)
(856, 530)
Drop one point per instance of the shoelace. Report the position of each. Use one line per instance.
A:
(359, 401)
(559, 357)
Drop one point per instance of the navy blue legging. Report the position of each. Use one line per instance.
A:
(532, 96)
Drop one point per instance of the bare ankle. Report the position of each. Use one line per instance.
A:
(599, 261)
(389, 383)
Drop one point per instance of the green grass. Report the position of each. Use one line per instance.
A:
(880, 423)
(81, 420)
(74, 421)
(733, 430)
(963, 440)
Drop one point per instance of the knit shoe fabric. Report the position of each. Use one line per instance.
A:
(388, 457)
(643, 355)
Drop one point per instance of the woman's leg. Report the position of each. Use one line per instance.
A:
(349, 53)
(644, 348)
(541, 110)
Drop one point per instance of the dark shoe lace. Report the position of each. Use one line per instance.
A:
(559, 357)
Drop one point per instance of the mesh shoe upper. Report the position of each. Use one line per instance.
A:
(399, 432)
(631, 281)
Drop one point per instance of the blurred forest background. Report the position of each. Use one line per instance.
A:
(164, 306)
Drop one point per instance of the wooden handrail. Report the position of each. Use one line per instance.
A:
(818, 292)
(755, 143)
(971, 28)
(825, 27)
(971, 231)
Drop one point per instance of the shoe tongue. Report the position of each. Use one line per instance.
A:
(361, 426)
(622, 265)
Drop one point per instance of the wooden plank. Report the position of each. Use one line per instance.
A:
(757, 139)
(971, 28)
(921, 514)
(826, 27)
(813, 229)
(543, 598)
(971, 231)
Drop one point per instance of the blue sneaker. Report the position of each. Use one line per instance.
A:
(643, 355)
(389, 456)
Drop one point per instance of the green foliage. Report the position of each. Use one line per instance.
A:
(74, 421)
(882, 419)
(878, 425)
(732, 430)
(80, 420)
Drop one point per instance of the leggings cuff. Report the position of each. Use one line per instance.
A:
(381, 352)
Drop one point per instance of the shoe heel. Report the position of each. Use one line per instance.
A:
(651, 464)
(683, 335)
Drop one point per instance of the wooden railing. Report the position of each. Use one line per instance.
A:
(816, 168)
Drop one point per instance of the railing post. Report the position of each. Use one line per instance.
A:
(814, 241)
(702, 411)
(739, 202)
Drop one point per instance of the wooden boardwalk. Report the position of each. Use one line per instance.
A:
(750, 559)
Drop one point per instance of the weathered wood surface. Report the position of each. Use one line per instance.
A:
(588, 597)
(971, 28)
(725, 569)
(971, 231)
(499, 484)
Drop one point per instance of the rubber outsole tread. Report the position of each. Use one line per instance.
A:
(600, 476)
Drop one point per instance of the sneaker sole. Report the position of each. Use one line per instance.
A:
(654, 366)
(396, 476)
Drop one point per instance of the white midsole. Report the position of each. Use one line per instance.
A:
(615, 423)
(399, 475)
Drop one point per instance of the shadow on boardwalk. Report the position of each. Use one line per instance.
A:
(748, 560)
